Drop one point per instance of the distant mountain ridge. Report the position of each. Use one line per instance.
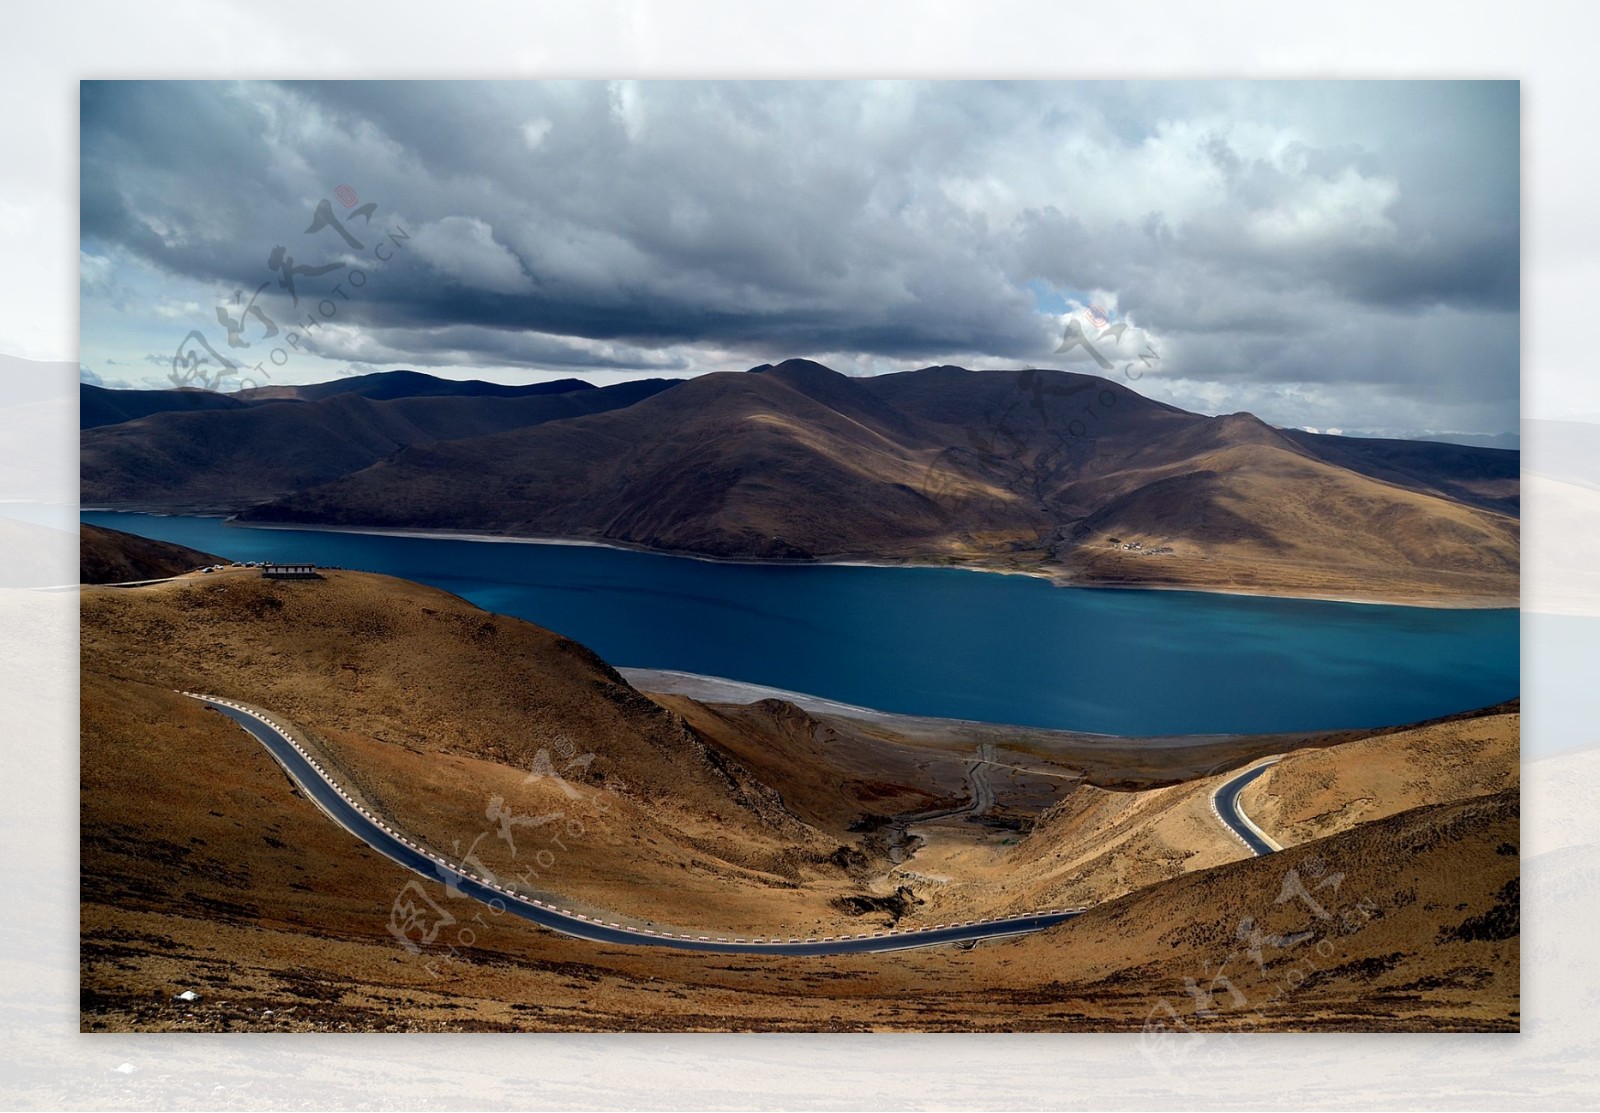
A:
(226, 455)
(384, 385)
(100, 405)
(1511, 441)
(1066, 475)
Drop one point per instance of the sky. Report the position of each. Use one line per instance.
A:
(1328, 255)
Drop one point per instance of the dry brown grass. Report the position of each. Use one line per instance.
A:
(432, 708)
(1315, 793)
(203, 868)
(110, 556)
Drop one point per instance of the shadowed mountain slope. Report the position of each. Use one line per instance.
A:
(243, 454)
(386, 385)
(109, 556)
(1066, 475)
(99, 406)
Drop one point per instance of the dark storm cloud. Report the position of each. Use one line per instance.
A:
(1265, 233)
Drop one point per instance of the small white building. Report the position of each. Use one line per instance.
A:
(289, 571)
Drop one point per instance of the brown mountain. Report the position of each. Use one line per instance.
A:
(1066, 475)
(98, 405)
(109, 556)
(225, 459)
(385, 385)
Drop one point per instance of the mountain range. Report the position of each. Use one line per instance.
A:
(1050, 472)
(210, 456)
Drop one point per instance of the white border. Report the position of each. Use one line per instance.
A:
(43, 1062)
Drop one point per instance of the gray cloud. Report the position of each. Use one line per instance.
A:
(1303, 246)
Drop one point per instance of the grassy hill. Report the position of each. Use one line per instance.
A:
(109, 556)
(432, 706)
(1316, 793)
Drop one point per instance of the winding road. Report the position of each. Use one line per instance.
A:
(978, 778)
(315, 781)
(1225, 805)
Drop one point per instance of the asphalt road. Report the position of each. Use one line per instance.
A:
(1225, 802)
(977, 774)
(314, 781)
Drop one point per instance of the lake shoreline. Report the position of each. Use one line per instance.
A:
(938, 646)
(705, 688)
(1465, 604)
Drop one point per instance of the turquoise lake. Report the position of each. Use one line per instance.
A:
(946, 642)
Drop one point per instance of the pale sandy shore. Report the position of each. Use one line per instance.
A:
(721, 689)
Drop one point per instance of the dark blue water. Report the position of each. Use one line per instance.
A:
(945, 642)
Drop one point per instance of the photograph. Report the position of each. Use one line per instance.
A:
(799, 556)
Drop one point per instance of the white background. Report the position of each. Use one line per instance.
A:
(44, 1062)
